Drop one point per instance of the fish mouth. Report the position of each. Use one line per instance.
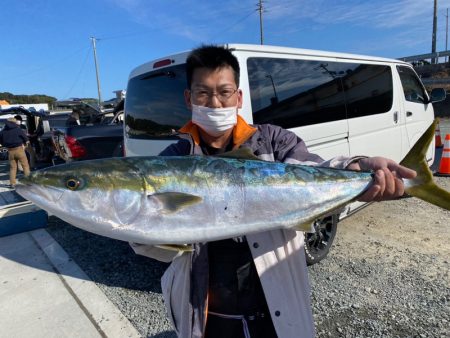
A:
(37, 194)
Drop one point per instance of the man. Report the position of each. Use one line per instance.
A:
(28, 148)
(256, 285)
(14, 138)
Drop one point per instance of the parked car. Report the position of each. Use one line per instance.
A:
(99, 135)
(339, 104)
(38, 126)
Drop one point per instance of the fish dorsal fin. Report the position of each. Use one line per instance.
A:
(175, 201)
(241, 153)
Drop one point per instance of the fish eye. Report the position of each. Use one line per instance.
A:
(73, 183)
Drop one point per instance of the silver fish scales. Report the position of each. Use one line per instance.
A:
(178, 200)
(189, 199)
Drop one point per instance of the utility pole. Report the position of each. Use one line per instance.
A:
(93, 39)
(261, 10)
(433, 44)
(446, 35)
(274, 99)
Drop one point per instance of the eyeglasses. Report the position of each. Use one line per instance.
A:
(203, 95)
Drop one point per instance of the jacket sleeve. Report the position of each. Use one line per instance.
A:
(290, 148)
(182, 147)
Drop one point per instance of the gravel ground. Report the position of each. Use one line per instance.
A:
(386, 276)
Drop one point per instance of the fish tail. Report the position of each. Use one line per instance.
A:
(423, 186)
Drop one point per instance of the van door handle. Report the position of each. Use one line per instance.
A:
(396, 117)
(408, 114)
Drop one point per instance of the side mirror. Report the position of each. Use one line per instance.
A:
(438, 94)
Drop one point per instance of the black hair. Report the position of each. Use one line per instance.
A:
(18, 118)
(211, 57)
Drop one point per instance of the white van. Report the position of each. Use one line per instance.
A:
(339, 104)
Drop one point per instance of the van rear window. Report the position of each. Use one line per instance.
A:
(293, 93)
(155, 104)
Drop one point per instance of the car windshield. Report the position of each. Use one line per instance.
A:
(155, 104)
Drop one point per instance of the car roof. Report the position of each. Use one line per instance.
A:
(179, 58)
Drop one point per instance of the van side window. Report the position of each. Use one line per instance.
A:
(412, 87)
(155, 104)
(294, 93)
(368, 90)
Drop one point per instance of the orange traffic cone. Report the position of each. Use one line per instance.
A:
(437, 136)
(444, 166)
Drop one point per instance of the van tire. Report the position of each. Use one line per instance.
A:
(318, 243)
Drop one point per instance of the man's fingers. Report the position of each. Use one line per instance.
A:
(386, 185)
(402, 172)
(399, 187)
(370, 194)
(389, 180)
(380, 181)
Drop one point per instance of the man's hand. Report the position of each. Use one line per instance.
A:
(387, 183)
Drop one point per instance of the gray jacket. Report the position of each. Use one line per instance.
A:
(278, 255)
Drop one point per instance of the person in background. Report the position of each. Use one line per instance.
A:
(20, 122)
(256, 285)
(35, 140)
(28, 149)
(73, 119)
(15, 139)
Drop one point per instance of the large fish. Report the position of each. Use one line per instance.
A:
(189, 199)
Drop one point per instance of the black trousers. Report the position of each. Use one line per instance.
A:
(217, 327)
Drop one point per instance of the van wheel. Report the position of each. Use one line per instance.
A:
(318, 243)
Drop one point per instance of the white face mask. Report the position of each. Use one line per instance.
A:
(214, 120)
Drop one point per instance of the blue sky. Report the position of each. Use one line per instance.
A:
(46, 46)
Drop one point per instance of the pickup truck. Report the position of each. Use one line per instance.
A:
(98, 136)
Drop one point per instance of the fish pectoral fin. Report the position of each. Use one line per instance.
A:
(176, 247)
(175, 201)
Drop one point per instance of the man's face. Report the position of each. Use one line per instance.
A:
(214, 89)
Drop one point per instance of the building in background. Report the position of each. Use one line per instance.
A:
(37, 106)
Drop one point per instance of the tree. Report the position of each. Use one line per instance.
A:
(27, 99)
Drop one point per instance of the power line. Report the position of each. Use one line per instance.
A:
(79, 73)
(65, 58)
(125, 35)
(236, 23)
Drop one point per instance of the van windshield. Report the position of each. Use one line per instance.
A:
(155, 104)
